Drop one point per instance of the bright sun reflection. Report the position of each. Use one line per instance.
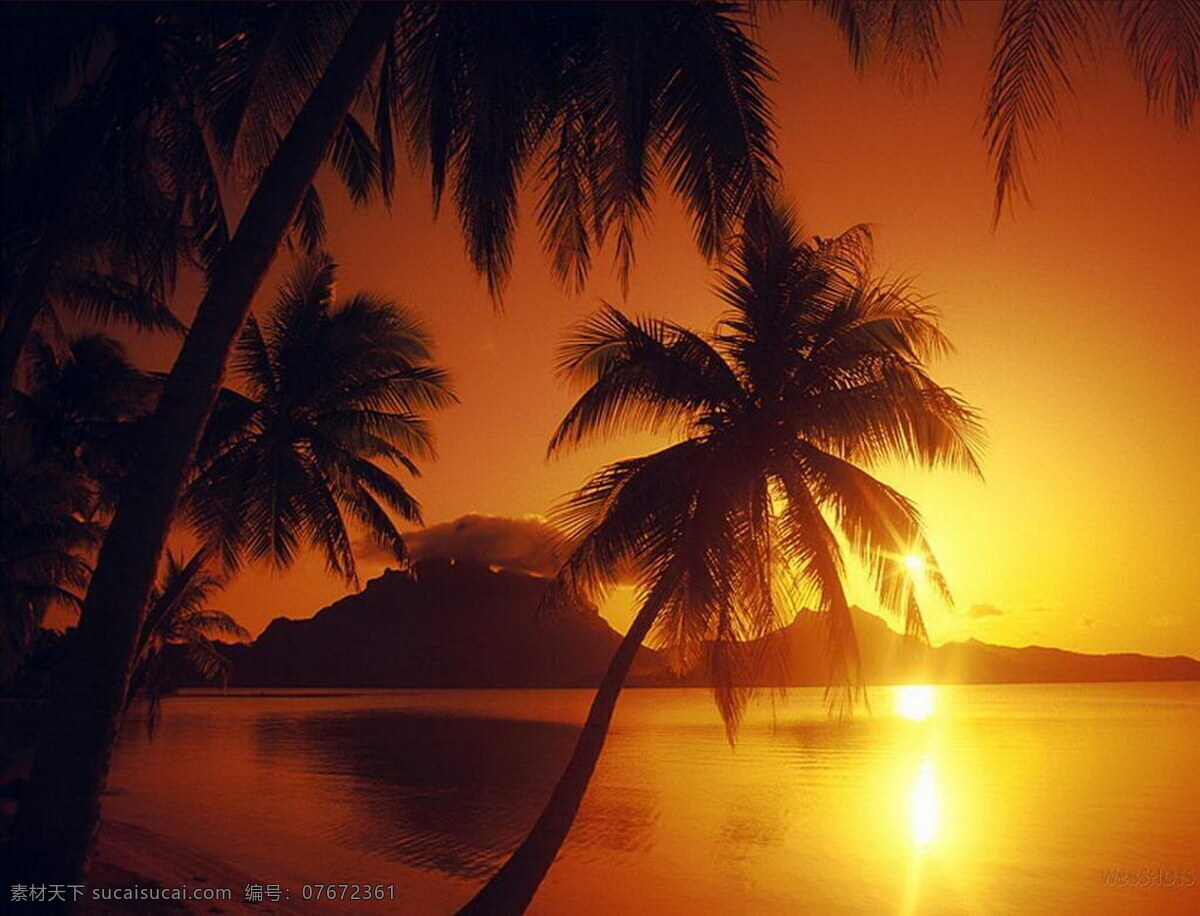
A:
(915, 563)
(926, 815)
(914, 701)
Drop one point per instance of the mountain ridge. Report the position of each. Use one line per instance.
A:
(466, 624)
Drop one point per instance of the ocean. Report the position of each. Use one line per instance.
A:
(1019, 799)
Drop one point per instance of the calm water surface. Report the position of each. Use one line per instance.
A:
(1009, 799)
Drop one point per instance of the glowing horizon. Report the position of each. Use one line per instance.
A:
(1072, 320)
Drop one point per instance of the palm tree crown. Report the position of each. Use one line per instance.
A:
(179, 614)
(598, 103)
(817, 371)
(331, 390)
(84, 407)
(47, 540)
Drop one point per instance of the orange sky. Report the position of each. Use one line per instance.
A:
(1077, 325)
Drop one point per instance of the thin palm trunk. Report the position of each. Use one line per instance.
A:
(512, 888)
(57, 817)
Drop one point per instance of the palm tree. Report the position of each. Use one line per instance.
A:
(696, 100)
(124, 125)
(105, 168)
(44, 509)
(331, 389)
(66, 445)
(179, 615)
(54, 824)
(817, 371)
(83, 409)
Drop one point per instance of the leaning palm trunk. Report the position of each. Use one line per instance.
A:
(512, 888)
(55, 822)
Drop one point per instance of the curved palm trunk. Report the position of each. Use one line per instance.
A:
(57, 817)
(512, 888)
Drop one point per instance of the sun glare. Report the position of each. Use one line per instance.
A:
(926, 810)
(914, 701)
(915, 563)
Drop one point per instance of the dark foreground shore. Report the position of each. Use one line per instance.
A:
(128, 856)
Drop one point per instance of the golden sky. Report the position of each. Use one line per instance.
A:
(1077, 324)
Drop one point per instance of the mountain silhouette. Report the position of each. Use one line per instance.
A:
(450, 623)
(795, 655)
(460, 623)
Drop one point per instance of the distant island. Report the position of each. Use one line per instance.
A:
(460, 623)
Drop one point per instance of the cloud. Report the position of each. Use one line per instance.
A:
(529, 544)
(984, 610)
(977, 611)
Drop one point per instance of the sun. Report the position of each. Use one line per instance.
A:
(915, 563)
(914, 701)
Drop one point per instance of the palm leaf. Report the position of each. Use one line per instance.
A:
(1162, 40)
(1030, 65)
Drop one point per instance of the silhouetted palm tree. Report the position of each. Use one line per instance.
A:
(53, 828)
(121, 124)
(817, 371)
(46, 543)
(105, 168)
(82, 409)
(332, 389)
(180, 615)
(66, 443)
(692, 95)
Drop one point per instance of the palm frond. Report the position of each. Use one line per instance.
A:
(882, 526)
(1162, 41)
(810, 545)
(647, 375)
(107, 298)
(718, 148)
(1035, 44)
(309, 221)
(355, 158)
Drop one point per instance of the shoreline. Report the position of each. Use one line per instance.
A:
(127, 855)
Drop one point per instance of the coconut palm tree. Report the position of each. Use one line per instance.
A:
(124, 124)
(105, 169)
(817, 371)
(83, 409)
(53, 829)
(693, 95)
(47, 540)
(332, 389)
(180, 615)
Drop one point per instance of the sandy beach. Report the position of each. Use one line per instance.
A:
(130, 856)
